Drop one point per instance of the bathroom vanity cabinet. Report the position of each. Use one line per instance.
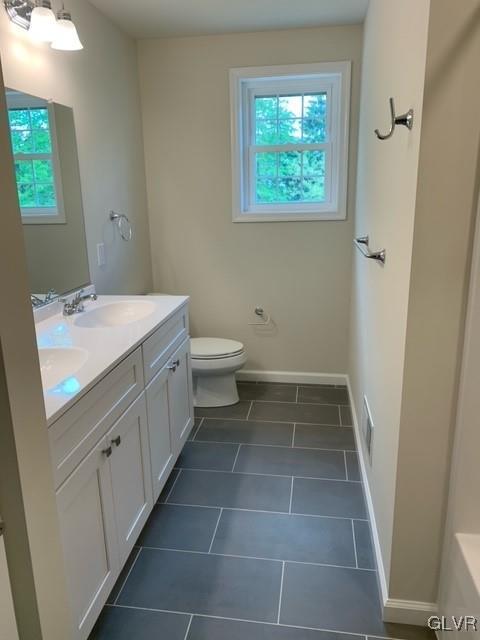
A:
(112, 452)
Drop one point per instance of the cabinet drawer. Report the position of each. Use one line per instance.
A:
(73, 435)
(160, 345)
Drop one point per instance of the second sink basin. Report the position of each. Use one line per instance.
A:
(115, 314)
(59, 363)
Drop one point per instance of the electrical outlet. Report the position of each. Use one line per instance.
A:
(101, 255)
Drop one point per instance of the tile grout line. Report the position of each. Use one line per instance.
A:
(309, 424)
(316, 404)
(278, 446)
(188, 627)
(263, 622)
(282, 513)
(260, 558)
(291, 496)
(293, 435)
(127, 577)
(249, 410)
(266, 475)
(296, 395)
(173, 485)
(281, 593)
(216, 529)
(346, 466)
(196, 430)
(236, 458)
(355, 544)
(340, 416)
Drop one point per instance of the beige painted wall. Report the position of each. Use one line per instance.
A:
(298, 271)
(416, 196)
(463, 512)
(446, 203)
(101, 84)
(27, 498)
(386, 194)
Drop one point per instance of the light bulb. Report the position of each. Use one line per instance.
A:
(43, 25)
(66, 36)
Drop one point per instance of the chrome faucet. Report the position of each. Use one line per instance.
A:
(75, 305)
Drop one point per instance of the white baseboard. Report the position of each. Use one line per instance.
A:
(408, 611)
(394, 610)
(295, 377)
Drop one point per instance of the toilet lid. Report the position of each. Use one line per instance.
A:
(214, 347)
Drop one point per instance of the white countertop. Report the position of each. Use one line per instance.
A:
(106, 346)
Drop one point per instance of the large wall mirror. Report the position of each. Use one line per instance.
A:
(49, 193)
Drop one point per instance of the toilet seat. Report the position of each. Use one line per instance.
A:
(214, 348)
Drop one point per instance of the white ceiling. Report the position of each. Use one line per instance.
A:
(166, 18)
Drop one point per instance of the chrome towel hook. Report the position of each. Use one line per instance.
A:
(405, 120)
(362, 245)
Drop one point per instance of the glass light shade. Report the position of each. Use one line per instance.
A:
(66, 38)
(43, 25)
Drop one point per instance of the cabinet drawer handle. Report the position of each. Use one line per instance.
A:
(107, 452)
(117, 441)
(173, 366)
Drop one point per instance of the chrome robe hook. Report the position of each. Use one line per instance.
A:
(405, 120)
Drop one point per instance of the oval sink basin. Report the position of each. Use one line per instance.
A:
(115, 314)
(59, 363)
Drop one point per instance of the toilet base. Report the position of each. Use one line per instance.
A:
(215, 391)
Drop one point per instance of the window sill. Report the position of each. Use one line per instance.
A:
(275, 216)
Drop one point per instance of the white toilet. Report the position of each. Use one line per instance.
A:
(214, 363)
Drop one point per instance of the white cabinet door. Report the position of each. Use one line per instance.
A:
(131, 475)
(8, 624)
(180, 396)
(87, 525)
(161, 448)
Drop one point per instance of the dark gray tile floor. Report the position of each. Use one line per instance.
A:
(261, 531)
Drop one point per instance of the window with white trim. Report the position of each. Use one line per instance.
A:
(37, 165)
(290, 142)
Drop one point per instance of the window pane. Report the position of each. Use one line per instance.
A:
(26, 195)
(314, 131)
(314, 163)
(289, 163)
(19, 119)
(46, 195)
(24, 171)
(289, 190)
(315, 105)
(266, 132)
(314, 189)
(266, 107)
(43, 170)
(43, 143)
(22, 141)
(290, 107)
(289, 131)
(39, 118)
(267, 164)
(266, 190)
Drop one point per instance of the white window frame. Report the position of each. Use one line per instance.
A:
(41, 215)
(246, 83)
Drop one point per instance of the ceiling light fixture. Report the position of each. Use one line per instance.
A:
(37, 17)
